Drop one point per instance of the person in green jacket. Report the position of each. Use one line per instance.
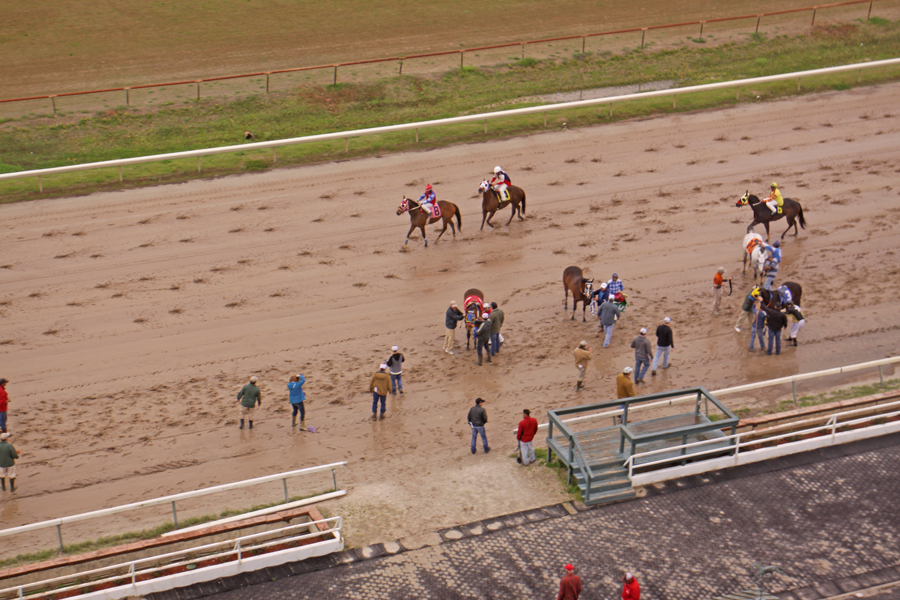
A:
(8, 458)
(249, 397)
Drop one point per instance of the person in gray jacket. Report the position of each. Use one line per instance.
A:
(609, 314)
(643, 354)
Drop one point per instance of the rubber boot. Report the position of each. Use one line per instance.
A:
(488, 356)
(293, 420)
(478, 362)
(2, 484)
(251, 424)
(303, 424)
(242, 424)
(12, 484)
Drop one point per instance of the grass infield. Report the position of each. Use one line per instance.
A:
(44, 141)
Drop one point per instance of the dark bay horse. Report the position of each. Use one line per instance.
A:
(762, 214)
(796, 294)
(419, 217)
(490, 203)
(574, 281)
(473, 304)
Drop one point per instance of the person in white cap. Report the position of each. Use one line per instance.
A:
(8, 456)
(664, 344)
(395, 368)
(483, 337)
(250, 398)
(379, 386)
(643, 354)
(582, 358)
(624, 387)
(631, 590)
(500, 182)
(451, 319)
(718, 282)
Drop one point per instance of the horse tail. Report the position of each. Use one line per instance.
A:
(458, 217)
(800, 215)
(523, 202)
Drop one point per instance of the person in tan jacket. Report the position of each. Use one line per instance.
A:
(380, 385)
(582, 358)
(624, 386)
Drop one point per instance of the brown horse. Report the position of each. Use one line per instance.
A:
(762, 214)
(490, 203)
(574, 281)
(474, 305)
(795, 289)
(419, 217)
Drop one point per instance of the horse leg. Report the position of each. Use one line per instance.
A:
(752, 225)
(441, 233)
(422, 227)
(409, 233)
(583, 309)
(766, 223)
(744, 270)
(566, 301)
(491, 216)
(511, 214)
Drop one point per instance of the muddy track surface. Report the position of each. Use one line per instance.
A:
(131, 319)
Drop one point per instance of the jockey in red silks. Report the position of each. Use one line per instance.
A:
(500, 183)
(428, 199)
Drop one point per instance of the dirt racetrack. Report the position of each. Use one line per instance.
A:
(131, 319)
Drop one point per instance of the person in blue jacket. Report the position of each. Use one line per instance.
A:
(297, 396)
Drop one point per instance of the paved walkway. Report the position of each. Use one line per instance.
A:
(828, 519)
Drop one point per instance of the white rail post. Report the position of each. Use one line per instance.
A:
(794, 390)
(198, 164)
(174, 514)
(284, 483)
(334, 479)
(798, 84)
(737, 448)
(274, 155)
(237, 548)
(120, 173)
(485, 125)
(133, 577)
(59, 533)
(40, 183)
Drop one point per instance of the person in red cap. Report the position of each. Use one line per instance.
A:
(569, 585)
(631, 590)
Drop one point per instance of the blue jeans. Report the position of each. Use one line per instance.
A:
(774, 336)
(3, 421)
(758, 332)
(299, 408)
(479, 345)
(495, 343)
(638, 372)
(661, 352)
(768, 284)
(375, 399)
(609, 330)
(396, 383)
(475, 432)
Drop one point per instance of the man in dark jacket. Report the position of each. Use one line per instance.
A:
(483, 337)
(643, 354)
(528, 428)
(395, 369)
(664, 344)
(775, 321)
(250, 398)
(569, 585)
(453, 316)
(8, 458)
(477, 418)
(497, 317)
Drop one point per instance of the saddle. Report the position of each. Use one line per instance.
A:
(753, 244)
(784, 295)
(435, 211)
(503, 196)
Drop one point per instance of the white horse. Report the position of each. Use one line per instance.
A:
(754, 248)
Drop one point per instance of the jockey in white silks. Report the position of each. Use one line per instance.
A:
(500, 183)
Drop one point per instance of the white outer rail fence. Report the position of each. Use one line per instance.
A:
(231, 554)
(782, 445)
(484, 117)
(58, 523)
(792, 379)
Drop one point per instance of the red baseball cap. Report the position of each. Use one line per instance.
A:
(570, 568)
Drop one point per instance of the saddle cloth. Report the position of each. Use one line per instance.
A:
(435, 210)
(785, 293)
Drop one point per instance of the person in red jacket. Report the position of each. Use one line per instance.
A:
(631, 589)
(569, 585)
(528, 428)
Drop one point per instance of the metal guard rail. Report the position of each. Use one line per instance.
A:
(238, 548)
(460, 52)
(584, 466)
(743, 388)
(452, 120)
(173, 498)
(832, 424)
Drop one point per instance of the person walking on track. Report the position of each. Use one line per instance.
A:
(250, 398)
(296, 396)
(582, 359)
(664, 344)
(477, 419)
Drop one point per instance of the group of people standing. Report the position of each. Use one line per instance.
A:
(570, 586)
(487, 326)
(761, 317)
(8, 454)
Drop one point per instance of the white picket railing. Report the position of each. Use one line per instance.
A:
(739, 83)
(228, 555)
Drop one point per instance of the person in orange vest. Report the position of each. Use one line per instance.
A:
(631, 590)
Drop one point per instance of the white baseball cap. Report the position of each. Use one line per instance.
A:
(627, 370)
(643, 330)
(382, 366)
(485, 315)
(667, 320)
(394, 348)
(253, 379)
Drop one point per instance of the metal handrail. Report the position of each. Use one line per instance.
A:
(543, 108)
(237, 547)
(171, 499)
(832, 424)
(585, 466)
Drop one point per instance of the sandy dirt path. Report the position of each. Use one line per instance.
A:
(131, 319)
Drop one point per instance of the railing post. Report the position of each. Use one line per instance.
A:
(737, 94)
(869, 14)
(237, 548)
(485, 126)
(120, 173)
(794, 390)
(583, 39)
(127, 96)
(643, 34)
(523, 51)
(674, 100)
(813, 19)
(401, 68)
(174, 514)
(274, 155)
(198, 91)
(40, 183)
(133, 576)
(335, 75)
(549, 437)
(284, 483)
(53, 100)
(461, 58)
(757, 23)
(417, 135)
(198, 164)
(59, 533)
(737, 448)
(881, 375)
(701, 28)
(798, 84)
(267, 83)
(334, 479)
(571, 458)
